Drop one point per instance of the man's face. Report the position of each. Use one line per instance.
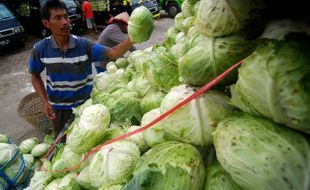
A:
(58, 23)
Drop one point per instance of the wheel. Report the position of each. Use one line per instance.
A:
(173, 9)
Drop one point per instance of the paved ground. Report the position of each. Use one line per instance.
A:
(15, 82)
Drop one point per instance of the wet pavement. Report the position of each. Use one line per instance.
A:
(15, 82)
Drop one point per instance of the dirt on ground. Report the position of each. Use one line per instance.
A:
(15, 82)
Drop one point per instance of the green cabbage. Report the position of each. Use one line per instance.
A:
(209, 58)
(39, 150)
(41, 178)
(29, 160)
(218, 179)
(155, 134)
(90, 129)
(178, 20)
(140, 25)
(121, 62)
(162, 71)
(278, 86)
(27, 145)
(7, 152)
(151, 101)
(187, 8)
(138, 138)
(4, 138)
(127, 107)
(217, 18)
(193, 123)
(112, 164)
(170, 165)
(260, 154)
(139, 85)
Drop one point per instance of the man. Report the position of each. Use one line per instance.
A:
(67, 60)
(89, 16)
(112, 35)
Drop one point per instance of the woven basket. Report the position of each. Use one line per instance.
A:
(31, 109)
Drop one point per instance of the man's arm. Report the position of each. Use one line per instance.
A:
(120, 49)
(38, 85)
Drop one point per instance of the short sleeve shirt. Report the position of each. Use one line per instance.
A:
(86, 8)
(69, 77)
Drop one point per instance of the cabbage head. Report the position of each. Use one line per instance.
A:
(140, 25)
(69, 182)
(278, 86)
(4, 138)
(218, 18)
(178, 20)
(187, 8)
(155, 134)
(112, 187)
(138, 138)
(27, 145)
(139, 85)
(91, 127)
(170, 165)
(207, 60)
(283, 29)
(39, 150)
(151, 101)
(7, 152)
(112, 164)
(260, 154)
(121, 62)
(218, 179)
(194, 122)
(162, 71)
(127, 107)
(29, 160)
(41, 178)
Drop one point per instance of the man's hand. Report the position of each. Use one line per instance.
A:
(48, 111)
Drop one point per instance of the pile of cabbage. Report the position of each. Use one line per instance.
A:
(17, 163)
(251, 131)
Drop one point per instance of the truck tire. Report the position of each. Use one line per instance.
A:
(173, 9)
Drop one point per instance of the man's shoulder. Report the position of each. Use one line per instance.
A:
(43, 43)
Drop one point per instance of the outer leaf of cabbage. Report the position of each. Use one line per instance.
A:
(178, 20)
(260, 154)
(281, 29)
(140, 25)
(27, 145)
(170, 165)
(218, 179)
(112, 187)
(278, 86)
(207, 60)
(127, 107)
(39, 149)
(85, 179)
(113, 164)
(162, 72)
(217, 18)
(7, 152)
(121, 62)
(29, 160)
(90, 129)
(193, 123)
(53, 185)
(151, 101)
(69, 182)
(138, 138)
(4, 138)
(41, 178)
(187, 8)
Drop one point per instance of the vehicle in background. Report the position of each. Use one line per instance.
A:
(172, 7)
(30, 16)
(152, 6)
(11, 31)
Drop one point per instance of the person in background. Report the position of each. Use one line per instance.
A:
(67, 60)
(112, 35)
(88, 15)
(120, 6)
